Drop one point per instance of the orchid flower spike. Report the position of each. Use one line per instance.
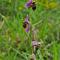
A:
(26, 24)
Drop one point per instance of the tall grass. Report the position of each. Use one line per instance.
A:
(15, 43)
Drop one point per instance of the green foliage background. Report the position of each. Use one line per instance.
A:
(15, 43)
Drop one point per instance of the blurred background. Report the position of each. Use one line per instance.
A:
(15, 43)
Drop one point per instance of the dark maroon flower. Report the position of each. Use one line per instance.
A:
(35, 45)
(26, 24)
(31, 4)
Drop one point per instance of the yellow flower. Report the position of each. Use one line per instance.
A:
(53, 5)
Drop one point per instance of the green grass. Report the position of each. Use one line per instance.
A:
(45, 19)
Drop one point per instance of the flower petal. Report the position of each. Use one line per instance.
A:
(28, 4)
(27, 24)
(28, 28)
(35, 43)
(27, 18)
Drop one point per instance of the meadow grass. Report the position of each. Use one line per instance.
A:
(15, 43)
